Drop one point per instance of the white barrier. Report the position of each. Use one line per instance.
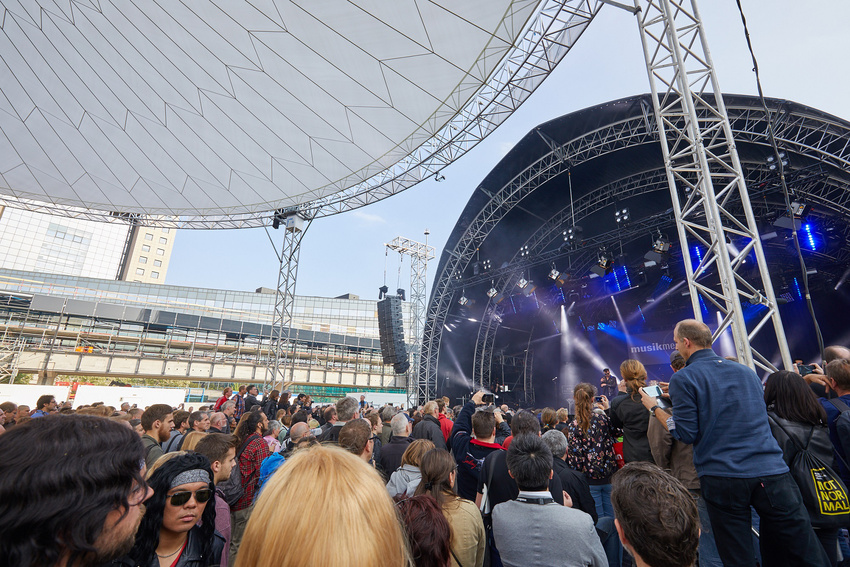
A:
(28, 394)
(116, 395)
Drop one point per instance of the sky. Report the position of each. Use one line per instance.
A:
(802, 54)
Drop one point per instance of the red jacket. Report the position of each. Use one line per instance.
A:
(446, 426)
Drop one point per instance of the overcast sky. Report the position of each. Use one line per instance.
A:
(802, 49)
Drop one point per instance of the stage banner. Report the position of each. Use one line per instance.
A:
(652, 348)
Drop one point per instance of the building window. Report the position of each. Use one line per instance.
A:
(155, 275)
(146, 248)
(163, 240)
(148, 236)
(143, 260)
(160, 252)
(157, 263)
(140, 271)
(166, 230)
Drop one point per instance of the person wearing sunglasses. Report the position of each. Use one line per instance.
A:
(178, 529)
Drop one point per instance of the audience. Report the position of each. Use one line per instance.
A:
(429, 427)
(191, 439)
(656, 517)
(591, 448)
(178, 525)
(181, 426)
(252, 450)
(467, 538)
(629, 415)
(220, 450)
(83, 510)
(406, 478)
(363, 528)
(356, 438)
(428, 531)
(392, 452)
(535, 530)
(346, 410)
(473, 438)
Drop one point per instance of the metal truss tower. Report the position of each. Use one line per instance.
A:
(419, 388)
(710, 199)
(282, 340)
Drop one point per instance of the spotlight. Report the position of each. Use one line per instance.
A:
(491, 293)
(486, 264)
(522, 283)
(772, 164)
(554, 273)
(463, 299)
(622, 215)
(793, 219)
(660, 246)
(604, 263)
(572, 234)
(523, 251)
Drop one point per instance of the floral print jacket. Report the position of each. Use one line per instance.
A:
(592, 453)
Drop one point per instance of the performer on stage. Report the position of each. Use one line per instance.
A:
(608, 384)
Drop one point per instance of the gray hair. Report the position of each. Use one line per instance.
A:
(399, 425)
(274, 425)
(387, 413)
(228, 405)
(557, 443)
(346, 408)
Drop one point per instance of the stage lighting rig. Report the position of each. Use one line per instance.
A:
(522, 282)
(622, 215)
(554, 274)
(660, 247)
(604, 264)
(798, 213)
(491, 293)
(772, 164)
(463, 299)
(523, 251)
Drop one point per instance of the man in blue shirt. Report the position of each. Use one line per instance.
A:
(45, 405)
(720, 410)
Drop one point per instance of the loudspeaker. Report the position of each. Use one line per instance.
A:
(391, 332)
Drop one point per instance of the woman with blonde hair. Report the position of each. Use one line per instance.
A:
(468, 539)
(190, 441)
(629, 414)
(406, 478)
(365, 530)
(591, 447)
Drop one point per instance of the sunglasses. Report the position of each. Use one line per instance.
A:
(180, 498)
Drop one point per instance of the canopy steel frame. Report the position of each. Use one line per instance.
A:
(418, 391)
(703, 168)
(282, 339)
(546, 39)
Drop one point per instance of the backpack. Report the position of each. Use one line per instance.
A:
(822, 489)
(232, 488)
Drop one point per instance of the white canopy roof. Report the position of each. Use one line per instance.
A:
(229, 110)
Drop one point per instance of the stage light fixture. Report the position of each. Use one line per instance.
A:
(491, 293)
(486, 264)
(522, 283)
(554, 273)
(622, 215)
(660, 247)
(523, 251)
(798, 213)
(463, 299)
(572, 234)
(604, 263)
(772, 163)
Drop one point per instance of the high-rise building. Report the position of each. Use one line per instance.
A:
(45, 243)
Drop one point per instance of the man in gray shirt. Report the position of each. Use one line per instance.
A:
(534, 529)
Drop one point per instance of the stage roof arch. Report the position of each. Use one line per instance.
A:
(577, 170)
(214, 115)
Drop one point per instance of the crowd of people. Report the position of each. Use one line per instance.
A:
(707, 472)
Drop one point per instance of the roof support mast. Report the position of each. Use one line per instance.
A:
(419, 388)
(705, 176)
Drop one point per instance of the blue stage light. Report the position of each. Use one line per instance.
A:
(809, 239)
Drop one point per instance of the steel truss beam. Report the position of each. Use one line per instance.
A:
(418, 391)
(549, 35)
(703, 168)
(283, 339)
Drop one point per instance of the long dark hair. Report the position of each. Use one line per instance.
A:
(147, 538)
(60, 476)
(436, 466)
(428, 531)
(248, 425)
(789, 397)
(583, 396)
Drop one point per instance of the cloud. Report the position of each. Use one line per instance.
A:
(368, 217)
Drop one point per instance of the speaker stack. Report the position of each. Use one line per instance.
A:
(391, 331)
